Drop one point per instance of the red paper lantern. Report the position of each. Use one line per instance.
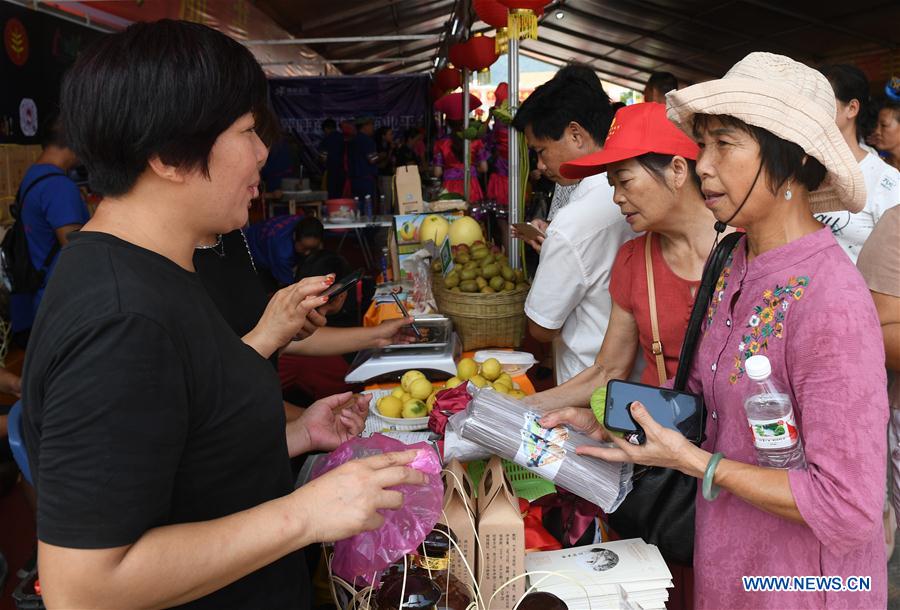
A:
(495, 15)
(523, 17)
(482, 53)
(458, 55)
(436, 92)
(491, 12)
(448, 79)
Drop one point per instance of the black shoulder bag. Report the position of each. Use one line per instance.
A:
(16, 260)
(660, 507)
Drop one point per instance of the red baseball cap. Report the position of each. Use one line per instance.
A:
(452, 105)
(636, 130)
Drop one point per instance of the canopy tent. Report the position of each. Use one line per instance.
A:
(624, 40)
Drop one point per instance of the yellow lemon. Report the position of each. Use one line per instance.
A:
(398, 393)
(505, 378)
(408, 378)
(452, 382)
(390, 406)
(466, 369)
(502, 387)
(430, 402)
(479, 381)
(414, 408)
(517, 394)
(491, 369)
(420, 388)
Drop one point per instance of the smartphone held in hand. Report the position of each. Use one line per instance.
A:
(680, 411)
(528, 231)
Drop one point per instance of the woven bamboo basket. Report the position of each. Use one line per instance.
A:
(484, 320)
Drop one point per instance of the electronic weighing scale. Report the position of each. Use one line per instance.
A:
(437, 361)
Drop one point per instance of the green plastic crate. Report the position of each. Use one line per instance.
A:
(525, 484)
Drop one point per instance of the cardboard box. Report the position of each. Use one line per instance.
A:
(502, 534)
(459, 515)
(408, 187)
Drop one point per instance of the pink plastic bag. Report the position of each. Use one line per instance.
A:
(361, 557)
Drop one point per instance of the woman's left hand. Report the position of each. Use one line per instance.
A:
(662, 447)
(388, 332)
(328, 422)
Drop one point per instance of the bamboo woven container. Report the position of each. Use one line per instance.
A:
(484, 320)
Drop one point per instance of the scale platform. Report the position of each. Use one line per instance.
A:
(387, 365)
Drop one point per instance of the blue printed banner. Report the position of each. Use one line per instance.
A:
(303, 103)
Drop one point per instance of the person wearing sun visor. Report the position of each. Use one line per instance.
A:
(771, 156)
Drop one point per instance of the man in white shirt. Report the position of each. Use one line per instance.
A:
(569, 302)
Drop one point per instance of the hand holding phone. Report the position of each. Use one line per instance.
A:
(343, 284)
(680, 411)
(528, 231)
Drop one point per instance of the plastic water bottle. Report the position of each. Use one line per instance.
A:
(771, 417)
(368, 204)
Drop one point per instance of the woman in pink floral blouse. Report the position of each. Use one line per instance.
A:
(770, 157)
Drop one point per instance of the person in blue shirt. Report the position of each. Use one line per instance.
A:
(280, 244)
(363, 158)
(51, 209)
(331, 150)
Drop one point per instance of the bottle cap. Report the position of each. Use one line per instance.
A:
(758, 368)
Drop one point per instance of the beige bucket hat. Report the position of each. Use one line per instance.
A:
(792, 101)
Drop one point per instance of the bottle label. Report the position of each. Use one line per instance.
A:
(438, 564)
(778, 433)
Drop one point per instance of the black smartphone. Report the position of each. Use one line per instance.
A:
(681, 411)
(343, 284)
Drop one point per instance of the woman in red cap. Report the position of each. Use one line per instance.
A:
(651, 164)
(448, 151)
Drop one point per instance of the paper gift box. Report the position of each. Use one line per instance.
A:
(502, 535)
(408, 188)
(459, 516)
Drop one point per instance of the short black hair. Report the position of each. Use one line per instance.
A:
(268, 127)
(892, 106)
(850, 83)
(329, 124)
(662, 82)
(576, 94)
(167, 89)
(322, 262)
(309, 226)
(52, 132)
(656, 165)
(781, 159)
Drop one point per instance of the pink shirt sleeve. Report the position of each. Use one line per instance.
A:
(839, 383)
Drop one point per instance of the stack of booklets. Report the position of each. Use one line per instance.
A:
(604, 575)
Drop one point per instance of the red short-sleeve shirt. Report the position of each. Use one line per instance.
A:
(674, 299)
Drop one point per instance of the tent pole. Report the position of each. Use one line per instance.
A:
(515, 196)
(467, 149)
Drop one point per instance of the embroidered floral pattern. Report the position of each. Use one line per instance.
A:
(767, 321)
(719, 291)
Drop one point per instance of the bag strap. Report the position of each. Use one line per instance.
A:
(20, 196)
(19, 203)
(656, 346)
(711, 272)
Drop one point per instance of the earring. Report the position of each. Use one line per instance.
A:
(788, 195)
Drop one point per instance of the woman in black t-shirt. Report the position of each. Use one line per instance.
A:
(156, 437)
